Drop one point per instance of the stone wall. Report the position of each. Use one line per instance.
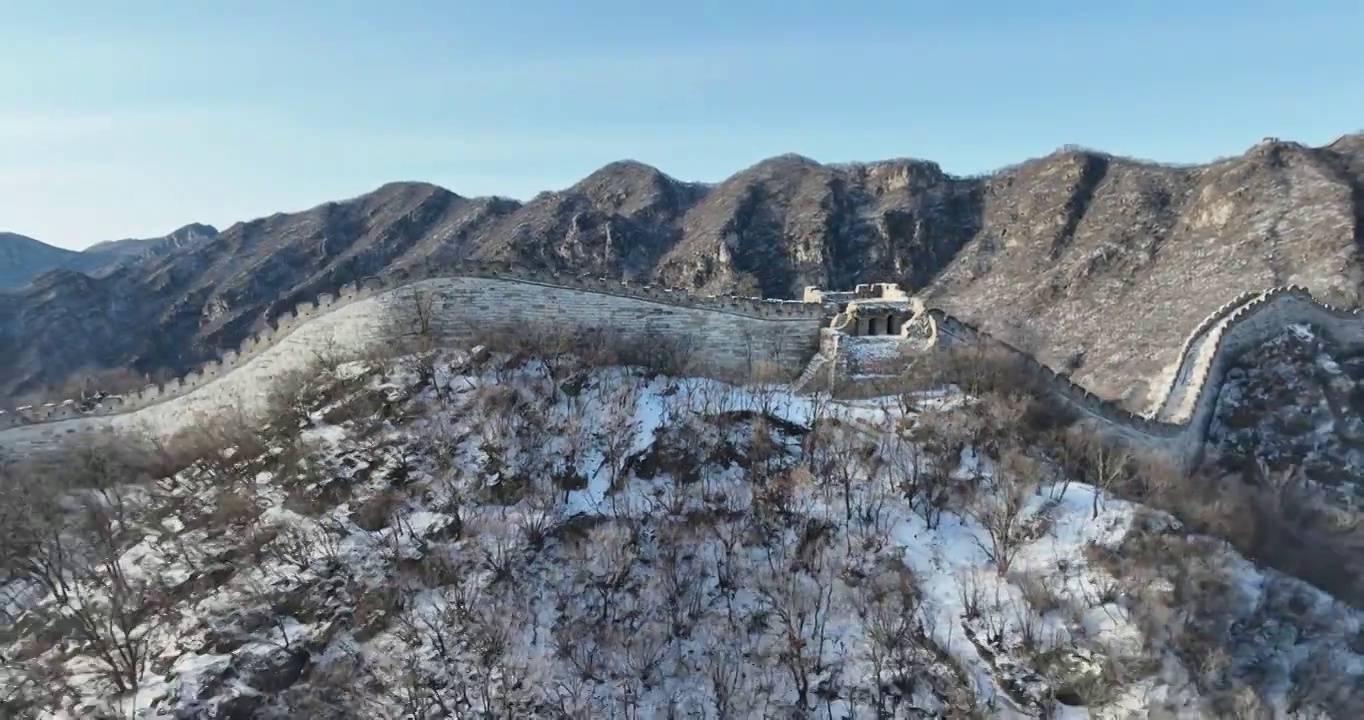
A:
(1245, 323)
(730, 338)
(1158, 399)
(726, 331)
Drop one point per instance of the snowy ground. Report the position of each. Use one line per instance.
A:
(533, 540)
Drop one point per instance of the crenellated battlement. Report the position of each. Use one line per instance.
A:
(281, 326)
(813, 333)
(1245, 322)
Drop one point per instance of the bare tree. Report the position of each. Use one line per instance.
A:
(571, 698)
(841, 459)
(800, 603)
(871, 520)
(724, 671)
(616, 554)
(682, 578)
(1109, 467)
(328, 354)
(419, 315)
(415, 333)
(728, 562)
(1001, 512)
(68, 530)
(888, 604)
(616, 432)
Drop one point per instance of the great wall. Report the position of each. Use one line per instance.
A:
(847, 335)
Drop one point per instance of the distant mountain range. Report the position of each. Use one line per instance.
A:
(1093, 261)
(23, 258)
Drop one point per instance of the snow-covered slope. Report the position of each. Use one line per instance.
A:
(464, 536)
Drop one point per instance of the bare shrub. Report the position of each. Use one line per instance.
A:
(1188, 597)
(563, 349)
(978, 368)
(1106, 465)
(888, 605)
(328, 353)
(667, 354)
(800, 603)
(1270, 517)
(375, 513)
(724, 670)
(1018, 405)
(336, 690)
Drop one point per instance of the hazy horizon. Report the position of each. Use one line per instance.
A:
(136, 120)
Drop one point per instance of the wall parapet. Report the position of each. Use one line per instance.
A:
(1157, 402)
(1239, 324)
(1243, 323)
(285, 322)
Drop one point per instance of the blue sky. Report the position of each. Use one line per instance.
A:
(131, 118)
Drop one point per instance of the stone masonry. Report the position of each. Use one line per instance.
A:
(862, 332)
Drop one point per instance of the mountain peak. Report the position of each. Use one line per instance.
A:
(626, 186)
(194, 230)
(13, 239)
(407, 188)
(788, 161)
(627, 167)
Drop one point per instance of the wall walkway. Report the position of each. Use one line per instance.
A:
(727, 332)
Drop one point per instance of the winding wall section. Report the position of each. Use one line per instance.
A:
(1225, 335)
(1171, 402)
(727, 332)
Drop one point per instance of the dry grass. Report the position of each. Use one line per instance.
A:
(1185, 597)
(1271, 518)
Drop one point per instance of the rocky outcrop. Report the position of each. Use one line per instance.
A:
(137, 249)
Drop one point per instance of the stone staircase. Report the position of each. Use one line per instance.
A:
(817, 364)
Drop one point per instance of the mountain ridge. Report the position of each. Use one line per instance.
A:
(141, 247)
(1077, 238)
(23, 259)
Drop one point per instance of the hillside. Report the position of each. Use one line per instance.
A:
(22, 259)
(1107, 262)
(132, 249)
(457, 533)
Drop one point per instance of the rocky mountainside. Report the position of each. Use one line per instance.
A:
(1106, 261)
